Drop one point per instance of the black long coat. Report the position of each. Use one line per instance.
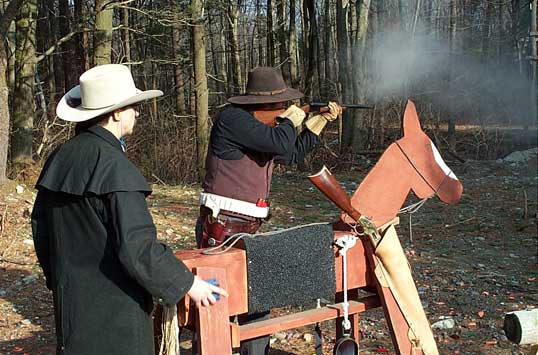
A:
(96, 243)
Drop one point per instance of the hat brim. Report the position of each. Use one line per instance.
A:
(288, 95)
(80, 114)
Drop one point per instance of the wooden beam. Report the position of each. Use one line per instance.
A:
(212, 322)
(270, 326)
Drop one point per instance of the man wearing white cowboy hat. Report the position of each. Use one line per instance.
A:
(247, 139)
(93, 234)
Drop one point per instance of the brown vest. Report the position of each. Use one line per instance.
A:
(246, 179)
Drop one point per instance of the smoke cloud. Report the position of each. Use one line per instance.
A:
(463, 84)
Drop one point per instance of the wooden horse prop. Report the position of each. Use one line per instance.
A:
(411, 163)
(377, 263)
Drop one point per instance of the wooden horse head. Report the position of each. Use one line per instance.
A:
(411, 163)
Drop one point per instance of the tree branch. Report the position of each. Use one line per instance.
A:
(65, 38)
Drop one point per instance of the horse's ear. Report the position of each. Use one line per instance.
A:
(411, 123)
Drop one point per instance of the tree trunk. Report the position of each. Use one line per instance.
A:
(23, 96)
(6, 18)
(223, 63)
(11, 49)
(294, 80)
(360, 71)
(4, 114)
(486, 39)
(303, 60)
(201, 92)
(327, 50)
(82, 42)
(232, 15)
(102, 37)
(214, 60)
(520, 326)
(312, 53)
(176, 53)
(64, 23)
(58, 70)
(282, 45)
(343, 68)
(259, 35)
(452, 32)
(125, 35)
(270, 38)
(534, 69)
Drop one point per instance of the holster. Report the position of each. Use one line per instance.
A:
(216, 230)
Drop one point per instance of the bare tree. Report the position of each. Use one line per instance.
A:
(343, 66)
(176, 56)
(282, 40)
(64, 23)
(270, 35)
(453, 32)
(327, 47)
(102, 38)
(82, 41)
(23, 96)
(5, 20)
(200, 78)
(312, 73)
(359, 67)
(233, 40)
(293, 47)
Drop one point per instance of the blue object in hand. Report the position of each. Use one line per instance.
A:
(214, 283)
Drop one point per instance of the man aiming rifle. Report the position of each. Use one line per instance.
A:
(248, 137)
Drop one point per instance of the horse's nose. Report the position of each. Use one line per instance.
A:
(450, 191)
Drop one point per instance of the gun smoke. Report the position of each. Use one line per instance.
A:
(464, 85)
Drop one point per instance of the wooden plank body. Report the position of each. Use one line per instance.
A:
(212, 323)
(234, 262)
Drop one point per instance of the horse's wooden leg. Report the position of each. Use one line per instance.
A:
(398, 326)
(213, 323)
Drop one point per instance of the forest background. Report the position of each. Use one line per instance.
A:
(469, 65)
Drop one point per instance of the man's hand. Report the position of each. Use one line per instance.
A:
(294, 114)
(201, 292)
(317, 122)
(334, 111)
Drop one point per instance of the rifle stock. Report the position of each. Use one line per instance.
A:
(331, 188)
(327, 183)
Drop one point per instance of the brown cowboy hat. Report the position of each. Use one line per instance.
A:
(265, 85)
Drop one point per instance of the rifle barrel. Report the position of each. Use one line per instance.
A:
(355, 106)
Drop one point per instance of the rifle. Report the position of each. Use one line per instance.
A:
(324, 107)
(268, 116)
(330, 187)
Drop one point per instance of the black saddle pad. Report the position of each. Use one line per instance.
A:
(293, 267)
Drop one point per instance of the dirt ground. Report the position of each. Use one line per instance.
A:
(473, 261)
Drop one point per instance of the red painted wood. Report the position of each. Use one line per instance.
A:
(295, 320)
(398, 326)
(212, 322)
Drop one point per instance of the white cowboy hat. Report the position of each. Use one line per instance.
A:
(102, 89)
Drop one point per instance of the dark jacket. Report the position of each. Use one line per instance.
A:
(242, 151)
(96, 243)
